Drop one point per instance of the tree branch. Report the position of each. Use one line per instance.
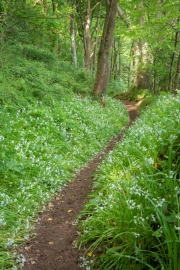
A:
(122, 16)
(96, 5)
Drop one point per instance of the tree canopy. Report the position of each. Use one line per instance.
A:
(145, 50)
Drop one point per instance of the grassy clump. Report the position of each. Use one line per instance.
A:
(132, 220)
(48, 133)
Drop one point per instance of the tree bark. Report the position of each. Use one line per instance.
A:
(96, 38)
(73, 40)
(114, 60)
(56, 40)
(170, 85)
(103, 65)
(88, 37)
(176, 79)
(54, 5)
(142, 77)
(123, 17)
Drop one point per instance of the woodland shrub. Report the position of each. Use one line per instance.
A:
(132, 219)
(34, 53)
(116, 87)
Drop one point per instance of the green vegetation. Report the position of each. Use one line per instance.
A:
(133, 95)
(30, 73)
(49, 52)
(132, 219)
(46, 124)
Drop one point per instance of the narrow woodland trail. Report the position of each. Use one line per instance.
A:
(53, 247)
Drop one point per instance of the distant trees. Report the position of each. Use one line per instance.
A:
(143, 52)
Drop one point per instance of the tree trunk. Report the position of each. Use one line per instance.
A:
(96, 38)
(114, 61)
(54, 5)
(56, 39)
(88, 37)
(154, 75)
(142, 78)
(170, 85)
(103, 65)
(176, 79)
(123, 17)
(73, 40)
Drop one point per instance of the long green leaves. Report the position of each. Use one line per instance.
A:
(137, 193)
(41, 148)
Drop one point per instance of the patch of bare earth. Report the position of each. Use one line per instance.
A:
(53, 247)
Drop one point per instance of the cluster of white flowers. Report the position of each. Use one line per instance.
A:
(1, 138)
(4, 199)
(127, 186)
(131, 204)
(2, 220)
(85, 263)
(45, 144)
(159, 201)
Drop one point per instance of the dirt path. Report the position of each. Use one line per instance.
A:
(53, 247)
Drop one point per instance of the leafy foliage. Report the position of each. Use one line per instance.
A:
(38, 74)
(46, 126)
(45, 130)
(132, 219)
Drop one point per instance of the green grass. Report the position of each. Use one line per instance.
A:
(50, 128)
(48, 117)
(42, 145)
(132, 219)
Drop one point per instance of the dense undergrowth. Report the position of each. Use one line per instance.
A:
(132, 219)
(29, 73)
(49, 130)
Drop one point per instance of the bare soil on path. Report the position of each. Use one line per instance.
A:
(53, 247)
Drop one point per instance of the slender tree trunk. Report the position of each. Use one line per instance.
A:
(114, 61)
(88, 37)
(119, 61)
(154, 75)
(135, 62)
(54, 5)
(123, 17)
(56, 40)
(103, 66)
(170, 84)
(171, 73)
(142, 75)
(142, 79)
(96, 38)
(73, 39)
(177, 76)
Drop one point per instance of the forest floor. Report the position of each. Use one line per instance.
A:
(53, 247)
